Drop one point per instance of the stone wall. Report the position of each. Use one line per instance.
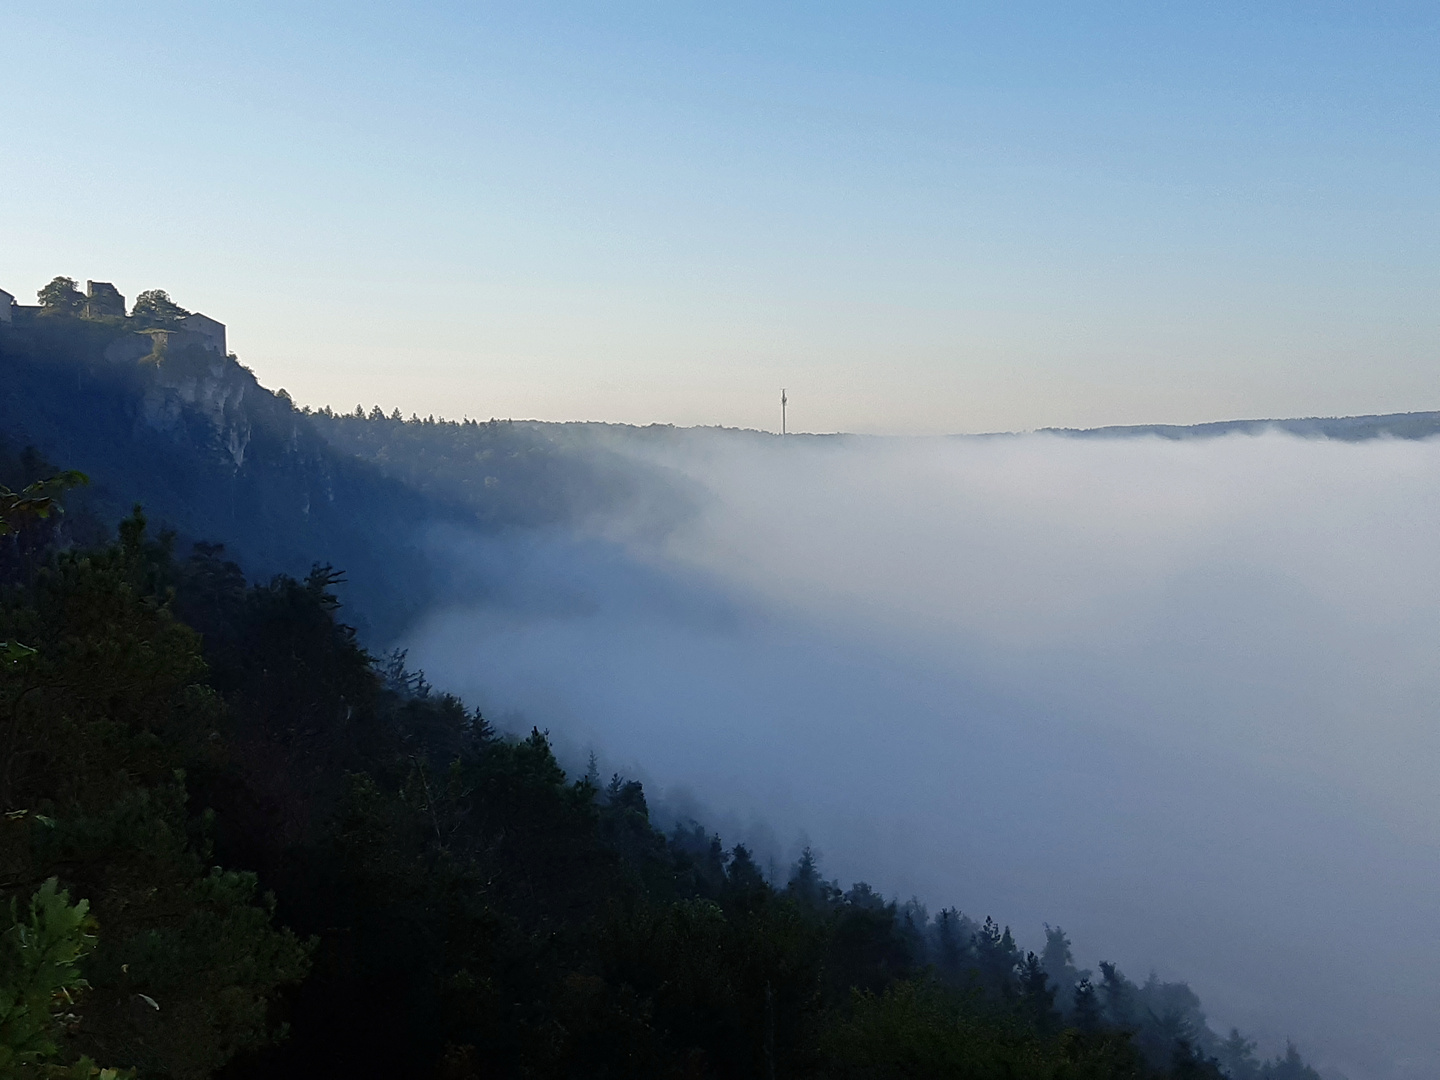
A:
(212, 331)
(102, 299)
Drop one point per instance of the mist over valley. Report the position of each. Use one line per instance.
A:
(1173, 695)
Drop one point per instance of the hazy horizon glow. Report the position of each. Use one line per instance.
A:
(1176, 697)
(918, 218)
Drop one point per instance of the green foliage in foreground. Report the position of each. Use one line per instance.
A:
(425, 897)
(102, 719)
(40, 953)
(34, 502)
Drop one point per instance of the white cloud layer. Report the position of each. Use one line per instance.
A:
(1178, 697)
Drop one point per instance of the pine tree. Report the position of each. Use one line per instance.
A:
(1037, 996)
(1118, 996)
(1059, 964)
(743, 873)
(996, 958)
(1088, 1014)
(953, 949)
(1291, 1067)
(806, 885)
(1237, 1055)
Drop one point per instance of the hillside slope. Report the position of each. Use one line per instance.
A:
(210, 453)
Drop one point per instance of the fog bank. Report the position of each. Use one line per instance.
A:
(1178, 697)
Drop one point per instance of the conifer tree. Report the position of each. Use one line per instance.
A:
(1037, 996)
(806, 884)
(1237, 1056)
(1088, 1015)
(1059, 964)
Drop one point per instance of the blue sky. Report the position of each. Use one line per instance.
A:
(917, 217)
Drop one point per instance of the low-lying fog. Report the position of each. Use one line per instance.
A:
(1178, 697)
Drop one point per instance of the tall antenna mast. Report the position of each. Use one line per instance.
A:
(783, 402)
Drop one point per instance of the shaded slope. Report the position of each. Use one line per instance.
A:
(211, 453)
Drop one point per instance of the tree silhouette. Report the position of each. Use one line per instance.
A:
(62, 297)
(154, 306)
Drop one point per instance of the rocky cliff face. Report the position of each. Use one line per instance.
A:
(184, 380)
(159, 419)
(190, 382)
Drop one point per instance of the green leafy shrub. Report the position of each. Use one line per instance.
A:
(40, 985)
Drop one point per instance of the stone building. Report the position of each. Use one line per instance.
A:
(103, 299)
(213, 332)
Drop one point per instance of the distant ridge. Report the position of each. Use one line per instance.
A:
(1413, 425)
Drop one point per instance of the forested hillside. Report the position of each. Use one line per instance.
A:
(238, 844)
